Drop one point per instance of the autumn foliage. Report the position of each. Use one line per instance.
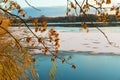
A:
(16, 62)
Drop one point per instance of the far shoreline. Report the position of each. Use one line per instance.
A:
(66, 53)
(75, 24)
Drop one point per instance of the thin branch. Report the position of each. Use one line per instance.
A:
(82, 2)
(34, 35)
(96, 26)
(11, 35)
(21, 20)
(32, 6)
(93, 23)
(76, 11)
(104, 35)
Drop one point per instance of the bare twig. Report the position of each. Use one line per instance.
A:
(11, 35)
(32, 6)
(92, 22)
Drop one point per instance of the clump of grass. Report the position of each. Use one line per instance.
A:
(15, 63)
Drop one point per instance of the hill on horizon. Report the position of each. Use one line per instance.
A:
(46, 11)
(58, 11)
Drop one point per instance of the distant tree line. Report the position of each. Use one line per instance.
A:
(82, 18)
(72, 18)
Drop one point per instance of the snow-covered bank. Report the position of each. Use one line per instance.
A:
(89, 42)
(94, 43)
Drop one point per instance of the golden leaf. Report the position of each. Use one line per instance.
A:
(5, 23)
(63, 61)
(44, 24)
(45, 50)
(33, 60)
(40, 40)
(28, 60)
(42, 30)
(19, 24)
(69, 10)
(53, 59)
(33, 44)
(66, 13)
(5, 1)
(18, 6)
(34, 22)
(73, 6)
(20, 11)
(108, 1)
(70, 57)
(73, 66)
(28, 39)
(117, 13)
(36, 29)
(84, 25)
(112, 8)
